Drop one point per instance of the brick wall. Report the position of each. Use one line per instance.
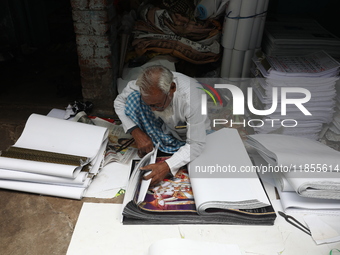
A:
(95, 25)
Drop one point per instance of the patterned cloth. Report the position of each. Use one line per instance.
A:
(144, 118)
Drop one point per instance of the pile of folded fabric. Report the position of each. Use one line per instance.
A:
(171, 30)
(183, 35)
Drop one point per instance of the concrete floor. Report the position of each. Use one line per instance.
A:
(29, 223)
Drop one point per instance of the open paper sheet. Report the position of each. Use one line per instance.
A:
(170, 246)
(235, 190)
(61, 136)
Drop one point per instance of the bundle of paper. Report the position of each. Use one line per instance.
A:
(296, 94)
(310, 168)
(293, 203)
(332, 131)
(53, 157)
(287, 35)
(317, 185)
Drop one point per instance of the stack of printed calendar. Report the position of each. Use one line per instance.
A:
(286, 35)
(295, 95)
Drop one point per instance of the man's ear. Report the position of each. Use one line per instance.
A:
(172, 87)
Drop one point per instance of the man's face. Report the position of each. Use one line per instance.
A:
(157, 100)
(160, 102)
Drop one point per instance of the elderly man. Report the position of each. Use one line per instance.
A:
(164, 107)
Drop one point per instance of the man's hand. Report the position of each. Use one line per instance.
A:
(143, 142)
(158, 172)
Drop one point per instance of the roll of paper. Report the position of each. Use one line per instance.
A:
(247, 63)
(230, 24)
(256, 24)
(44, 189)
(263, 20)
(237, 58)
(226, 61)
(244, 84)
(245, 24)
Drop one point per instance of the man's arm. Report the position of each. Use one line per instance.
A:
(142, 140)
(119, 105)
(191, 150)
(197, 124)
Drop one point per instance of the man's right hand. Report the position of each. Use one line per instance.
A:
(143, 142)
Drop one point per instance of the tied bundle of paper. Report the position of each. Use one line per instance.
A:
(306, 167)
(294, 94)
(53, 157)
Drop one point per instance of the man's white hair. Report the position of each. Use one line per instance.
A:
(152, 76)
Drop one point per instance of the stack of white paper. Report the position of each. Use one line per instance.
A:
(332, 133)
(293, 203)
(286, 35)
(308, 167)
(299, 89)
(36, 170)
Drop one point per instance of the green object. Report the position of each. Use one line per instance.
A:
(331, 252)
(120, 192)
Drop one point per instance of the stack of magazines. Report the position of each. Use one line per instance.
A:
(295, 93)
(54, 157)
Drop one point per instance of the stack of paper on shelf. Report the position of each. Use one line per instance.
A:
(286, 35)
(53, 157)
(296, 94)
(206, 193)
(308, 167)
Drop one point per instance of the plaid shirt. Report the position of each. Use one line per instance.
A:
(145, 119)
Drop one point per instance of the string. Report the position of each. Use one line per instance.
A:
(248, 17)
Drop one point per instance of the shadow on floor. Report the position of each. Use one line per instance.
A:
(36, 83)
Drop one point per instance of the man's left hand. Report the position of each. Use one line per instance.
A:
(158, 172)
